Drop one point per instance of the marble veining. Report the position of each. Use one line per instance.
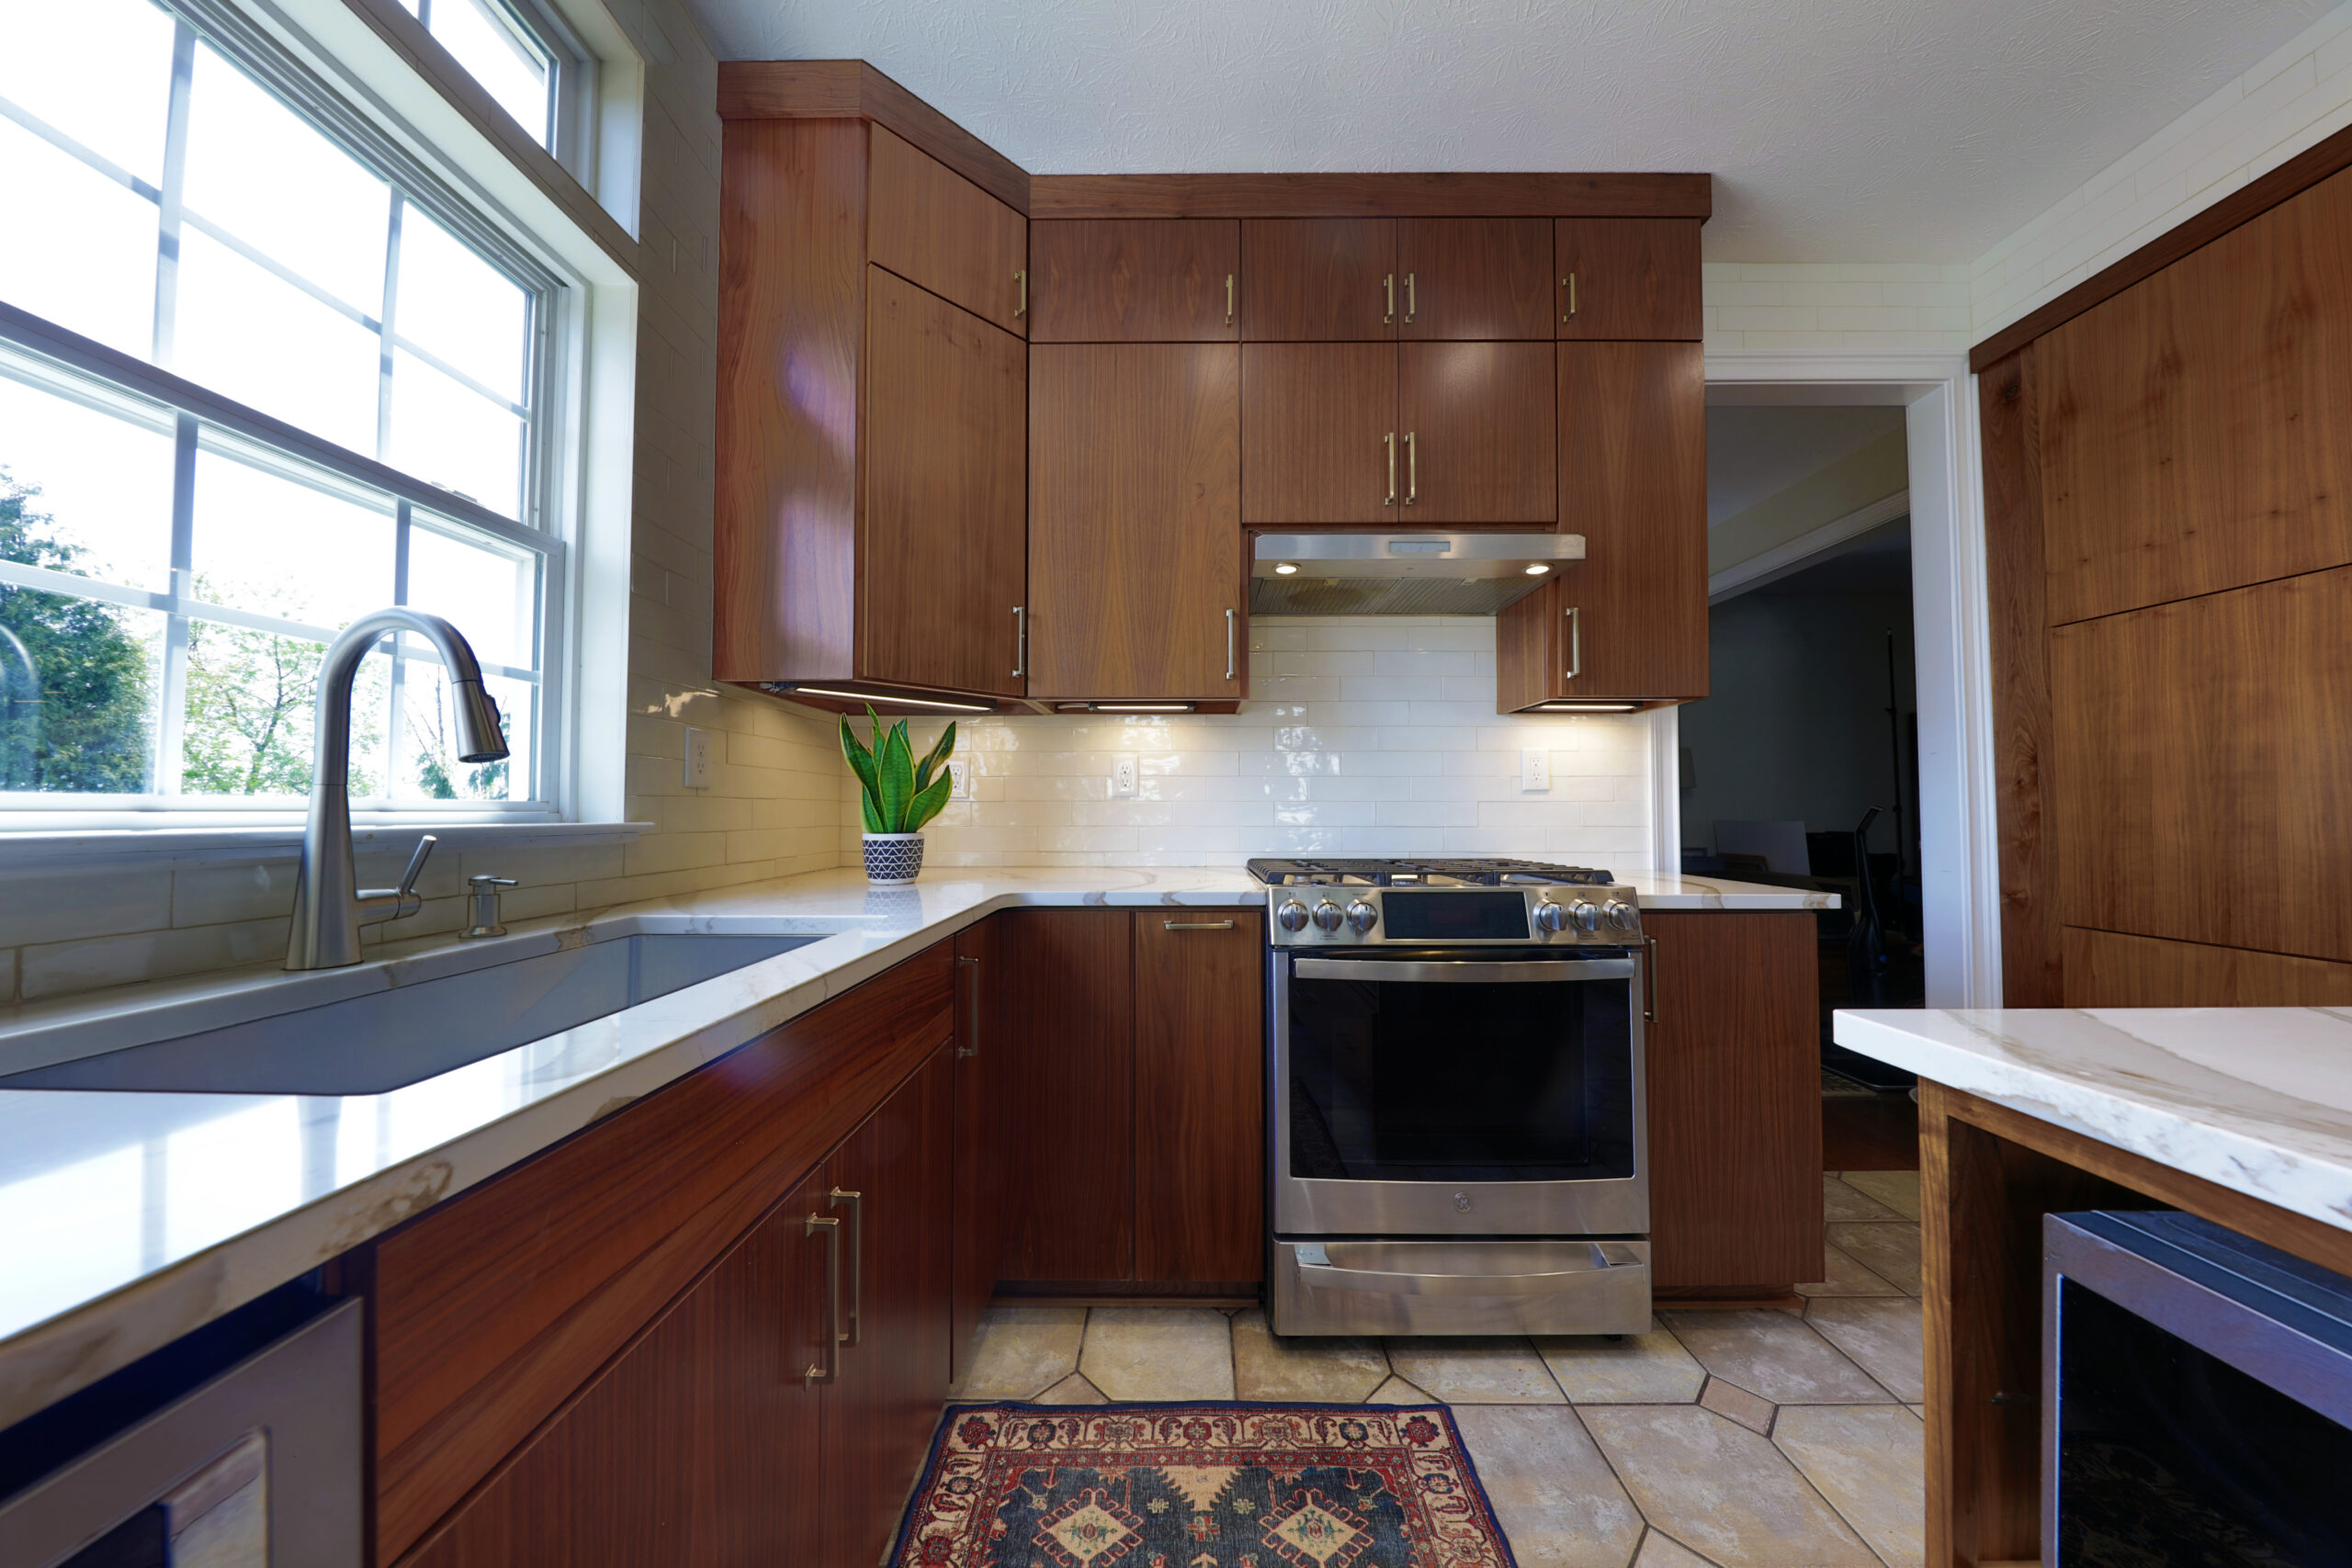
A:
(2258, 1100)
(129, 1218)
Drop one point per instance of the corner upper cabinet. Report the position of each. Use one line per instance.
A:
(1134, 280)
(871, 404)
(1628, 278)
(1136, 567)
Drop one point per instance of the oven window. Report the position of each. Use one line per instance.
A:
(1414, 1080)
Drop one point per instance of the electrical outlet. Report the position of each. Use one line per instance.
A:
(698, 747)
(959, 783)
(1122, 776)
(1534, 773)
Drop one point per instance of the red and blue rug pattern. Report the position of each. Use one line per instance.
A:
(1205, 1485)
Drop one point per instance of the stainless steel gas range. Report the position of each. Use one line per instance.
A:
(1455, 1098)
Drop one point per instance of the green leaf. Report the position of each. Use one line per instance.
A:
(928, 804)
(867, 814)
(934, 758)
(861, 761)
(895, 768)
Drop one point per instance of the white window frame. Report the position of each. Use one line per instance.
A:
(339, 74)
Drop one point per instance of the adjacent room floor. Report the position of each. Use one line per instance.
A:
(1749, 1440)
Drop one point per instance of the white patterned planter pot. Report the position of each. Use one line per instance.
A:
(893, 860)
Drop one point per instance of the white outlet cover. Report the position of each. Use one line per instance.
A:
(698, 749)
(1124, 776)
(960, 782)
(1534, 773)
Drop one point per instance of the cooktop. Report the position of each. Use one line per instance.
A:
(1425, 874)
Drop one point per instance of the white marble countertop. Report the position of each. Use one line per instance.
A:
(2258, 1100)
(129, 1218)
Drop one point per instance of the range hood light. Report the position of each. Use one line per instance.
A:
(1345, 573)
(1588, 707)
(1537, 569)
(1284, 567)
(881, 697)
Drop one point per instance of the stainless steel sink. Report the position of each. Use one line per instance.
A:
(388, 1039)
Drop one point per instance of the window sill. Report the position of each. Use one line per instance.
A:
(27, 849)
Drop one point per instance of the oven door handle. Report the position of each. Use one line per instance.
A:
(1315, 1268)
(1464, 972)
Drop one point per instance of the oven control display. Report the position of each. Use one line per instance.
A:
(1454, 916)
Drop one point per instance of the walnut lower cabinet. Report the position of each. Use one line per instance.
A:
(1133, 1116)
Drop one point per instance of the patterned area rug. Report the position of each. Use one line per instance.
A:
(1199, 1485)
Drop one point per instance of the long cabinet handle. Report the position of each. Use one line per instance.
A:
(973, 1010)
(1649, 982)
(1021, 277)
(1020, 639)
(1412, 299)
(1412, 463)
(1569, 283)
(1229, 616)
(1389, 285)
(1576, 645)
(832, 1367)
(1198, 925)
(1229, 298)
(857, 1201)
(1389, 441)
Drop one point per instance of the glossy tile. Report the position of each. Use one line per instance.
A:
(1141, 1353)
(1476, 1371)
(1773, 1354)
(1891, 1251)
(1021, 1351)
(1338, 1371)
(1879, 1335)
(1722, 1489)
(1558, 1502)
(1868, 1461)
(1640, 1369)
(1898, 1189)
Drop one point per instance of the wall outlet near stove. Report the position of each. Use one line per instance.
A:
(959, 779)
(1534, 773)
(1122, 776)
(699, 749)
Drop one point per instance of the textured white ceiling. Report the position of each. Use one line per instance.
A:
(1836, 129)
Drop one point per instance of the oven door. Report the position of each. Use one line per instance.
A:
(1427, 1093)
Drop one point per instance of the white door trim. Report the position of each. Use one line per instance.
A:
(1959, 842)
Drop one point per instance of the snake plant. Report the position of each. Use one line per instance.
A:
(898, 794)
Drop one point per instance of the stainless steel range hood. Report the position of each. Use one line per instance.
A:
(1402, 574)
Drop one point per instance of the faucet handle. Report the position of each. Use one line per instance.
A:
(485, 882)
(407, 878)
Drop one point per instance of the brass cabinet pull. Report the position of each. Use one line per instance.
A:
(857, 1201)
(1021, 277)
(1020, 637)
(1389, 440)
(1412, 463)
(1412, 300)
(1228, 644)
(831, 1368)
(1229, 298)
(973, 1049)
(1649, 982)
(1389, 285)
(1569, 283)
(1576, 645)
(1198, 925)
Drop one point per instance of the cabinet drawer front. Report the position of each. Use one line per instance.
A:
(492, 1309)
(1142, 280)
(936, 229)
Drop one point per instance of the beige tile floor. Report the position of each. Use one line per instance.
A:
(1744, 1439)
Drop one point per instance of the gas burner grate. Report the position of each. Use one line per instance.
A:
(1425, 873)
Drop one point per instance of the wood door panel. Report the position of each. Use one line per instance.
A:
(1200, 1096)
(1066, 1077)
(1635, 278)
(2108, 969)
(1135, 506)
(934, 228)
(2196, 429)
(880, 1412)
(980, 1198)
(672, 1451)
(1137, 280)
(1317, 421)
(1475, 278)
(1318, 279)
(942, 557)
(2205, 768)
(1735, 1100)
(490, 1310)
(1479, 431)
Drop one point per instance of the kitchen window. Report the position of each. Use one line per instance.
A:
(260, 373)
(523, 56)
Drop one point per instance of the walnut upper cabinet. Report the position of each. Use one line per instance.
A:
(1357, 279)
(1134, 280)
(871, 404)
(1628, 278)
(1474, 278)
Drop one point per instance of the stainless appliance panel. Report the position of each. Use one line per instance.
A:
(1422, 1287)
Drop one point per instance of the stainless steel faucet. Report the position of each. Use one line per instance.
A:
(327, 909)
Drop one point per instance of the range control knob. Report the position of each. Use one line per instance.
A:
(1583, 915)
(1550, 917)
(1328, 916)
(1621, 916)
(1292, 916)
(1363, 915)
